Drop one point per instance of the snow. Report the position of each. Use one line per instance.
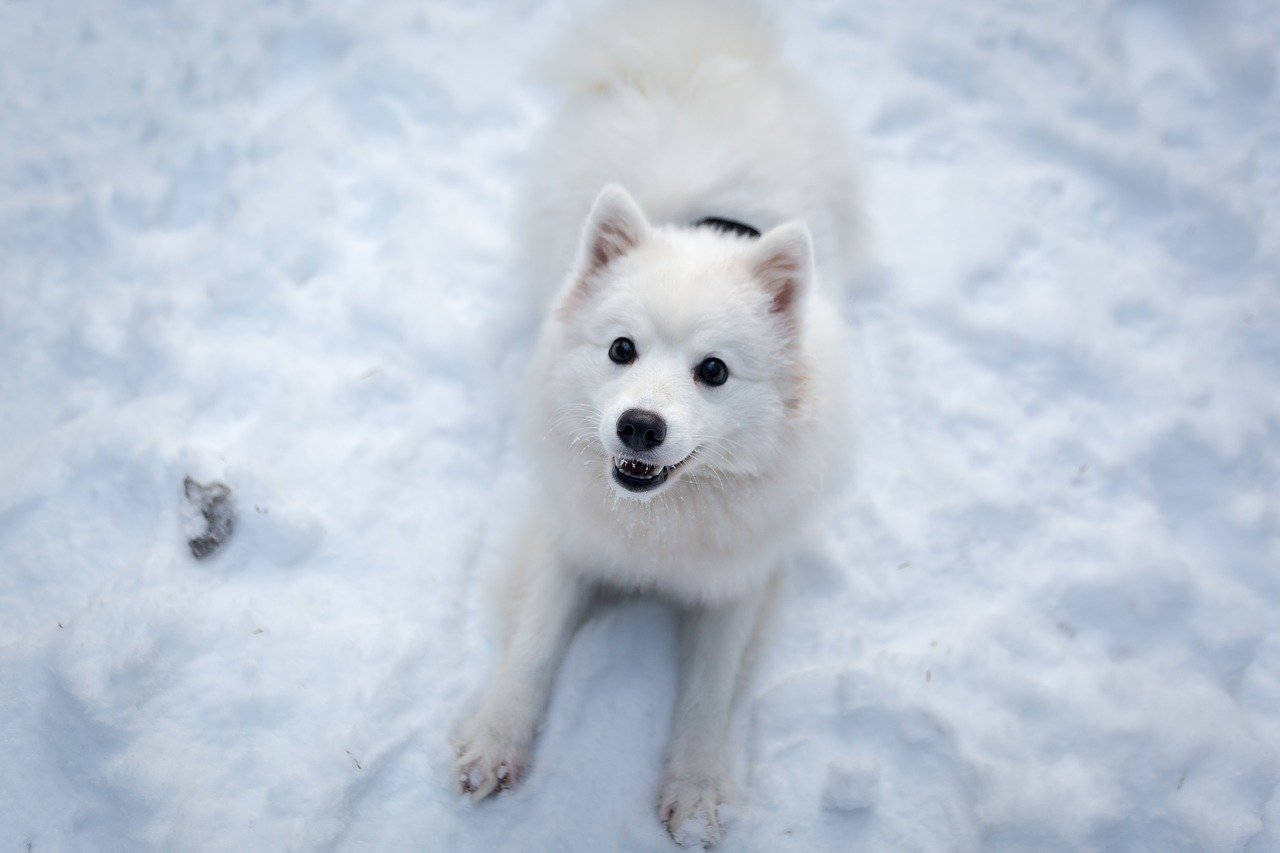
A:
(852, 784)
(268, 244)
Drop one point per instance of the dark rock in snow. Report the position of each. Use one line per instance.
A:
(214, 503)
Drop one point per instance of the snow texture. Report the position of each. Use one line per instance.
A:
(269, 244)
(852, 784)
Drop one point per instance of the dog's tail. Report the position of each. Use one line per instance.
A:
(659, 43)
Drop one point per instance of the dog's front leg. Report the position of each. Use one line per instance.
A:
(493, 744)
(713, 641)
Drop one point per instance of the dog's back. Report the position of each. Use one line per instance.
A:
(689, 104)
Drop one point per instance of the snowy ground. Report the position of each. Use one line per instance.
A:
(267, 243)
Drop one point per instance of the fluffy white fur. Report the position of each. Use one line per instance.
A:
(687, 106)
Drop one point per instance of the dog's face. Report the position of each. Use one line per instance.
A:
(678, 350)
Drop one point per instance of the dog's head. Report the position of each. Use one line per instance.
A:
(678, 350)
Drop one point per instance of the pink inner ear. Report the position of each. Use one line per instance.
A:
(612, 240)
(779, 273)
(783, 297)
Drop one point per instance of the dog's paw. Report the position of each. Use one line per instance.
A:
(487, 763)
(689, 810)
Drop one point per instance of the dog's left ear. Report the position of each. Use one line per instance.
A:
(615, 226)
(783, 263)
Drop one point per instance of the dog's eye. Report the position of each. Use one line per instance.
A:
(712, 372)
(622, 351)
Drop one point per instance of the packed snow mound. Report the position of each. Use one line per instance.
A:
(269, 246)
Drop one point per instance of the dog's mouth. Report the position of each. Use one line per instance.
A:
(637, 476)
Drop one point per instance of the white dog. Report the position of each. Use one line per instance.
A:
(690, 383)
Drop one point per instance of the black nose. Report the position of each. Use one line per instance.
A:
(641, 430)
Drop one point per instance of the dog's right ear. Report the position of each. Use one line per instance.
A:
(615, 226)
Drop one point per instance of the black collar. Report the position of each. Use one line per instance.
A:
(719, 223)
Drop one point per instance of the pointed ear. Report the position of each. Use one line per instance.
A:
(783, 263)
(615, 226)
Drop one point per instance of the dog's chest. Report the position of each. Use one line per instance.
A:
(689, 552)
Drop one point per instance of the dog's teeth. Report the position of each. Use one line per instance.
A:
(636, 468)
